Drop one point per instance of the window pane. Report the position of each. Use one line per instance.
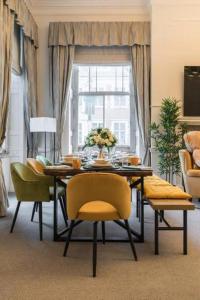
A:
(90, 115)
(84, 84)
(117, 117)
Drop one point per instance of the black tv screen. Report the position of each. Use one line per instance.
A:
(192, 91)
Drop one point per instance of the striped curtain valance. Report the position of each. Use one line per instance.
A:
(99, 33)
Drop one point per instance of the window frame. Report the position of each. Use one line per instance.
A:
(75, 102)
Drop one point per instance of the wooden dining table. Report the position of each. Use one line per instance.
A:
(59, 172)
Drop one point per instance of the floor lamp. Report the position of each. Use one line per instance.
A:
(44, 124)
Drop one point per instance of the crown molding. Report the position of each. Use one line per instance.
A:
(86, 3)
(142, 12)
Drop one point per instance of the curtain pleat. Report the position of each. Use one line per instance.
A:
(99, 33)
(24, 18)
(61, 61)
(6, 25)
(30, 93)
(141, 83)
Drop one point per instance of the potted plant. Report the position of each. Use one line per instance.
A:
(168, 138)
(100, 137)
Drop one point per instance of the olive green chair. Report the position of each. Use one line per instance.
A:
(30, 187)
(38, 168)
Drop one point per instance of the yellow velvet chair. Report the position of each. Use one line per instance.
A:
(36, 165)
(98, 197)
(38, 168)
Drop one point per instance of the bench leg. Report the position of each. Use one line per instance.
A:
(185, 232)
(156, 233)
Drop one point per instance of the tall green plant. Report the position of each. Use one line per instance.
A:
(168, 138)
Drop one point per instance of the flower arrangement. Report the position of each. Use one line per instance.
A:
(100, 137)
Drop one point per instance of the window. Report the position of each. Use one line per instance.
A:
(101, 98)
(119, 129)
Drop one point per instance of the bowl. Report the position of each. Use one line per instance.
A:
(101, 161)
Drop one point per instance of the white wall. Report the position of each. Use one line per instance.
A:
(175, 43)
(175, 29)
(43, 17)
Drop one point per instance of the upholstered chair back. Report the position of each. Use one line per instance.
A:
(27, 184)
(110, 188)
(35, 165)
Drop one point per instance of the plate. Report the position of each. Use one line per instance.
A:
(99, 165)
(105, 167)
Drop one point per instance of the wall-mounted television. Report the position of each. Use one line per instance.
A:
(191, 91)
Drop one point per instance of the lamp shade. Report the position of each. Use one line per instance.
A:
(42, 124)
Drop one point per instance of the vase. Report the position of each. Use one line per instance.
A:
(100, 155)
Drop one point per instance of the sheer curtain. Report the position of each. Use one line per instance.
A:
(6, 25)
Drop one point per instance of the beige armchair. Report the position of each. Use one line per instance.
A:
(190, 163)
(191, 175)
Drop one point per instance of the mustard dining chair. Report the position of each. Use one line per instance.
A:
(29, 187)
(38, 168)
(98, 197)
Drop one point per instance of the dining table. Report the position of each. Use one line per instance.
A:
(59, 172)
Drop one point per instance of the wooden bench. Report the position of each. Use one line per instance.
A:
(159, 206)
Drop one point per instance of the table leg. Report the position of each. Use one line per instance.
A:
(55, 211)
(156, 234)
(142, 210)
(185, 232)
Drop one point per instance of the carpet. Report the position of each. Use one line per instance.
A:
(31, 270)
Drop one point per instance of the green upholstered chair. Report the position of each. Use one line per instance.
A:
(38, 167)
(30, 187)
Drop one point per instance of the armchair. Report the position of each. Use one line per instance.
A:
(190, 163)
(29, 187)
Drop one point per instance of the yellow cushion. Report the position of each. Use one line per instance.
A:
(97, 211)
(153, 180)
(165, 192)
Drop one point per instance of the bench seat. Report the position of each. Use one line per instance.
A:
(159, 206)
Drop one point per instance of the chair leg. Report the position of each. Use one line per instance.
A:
(130, 239)
(63, 211)
(95, 249)
(15, 216)
(69, 237)
(33, 211)
(103, 232)
(40, 220)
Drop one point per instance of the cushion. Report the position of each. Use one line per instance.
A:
(43, 160)
(193, 173)
(192, 140)
(98, 211)
(196, 157)
(165, 192)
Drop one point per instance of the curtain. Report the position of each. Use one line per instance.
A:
(99, 33)
(16, 50)
(6, 25)
(140, 55)
(63, 36)
(61, 61)
(30, 93)
(24, 18)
